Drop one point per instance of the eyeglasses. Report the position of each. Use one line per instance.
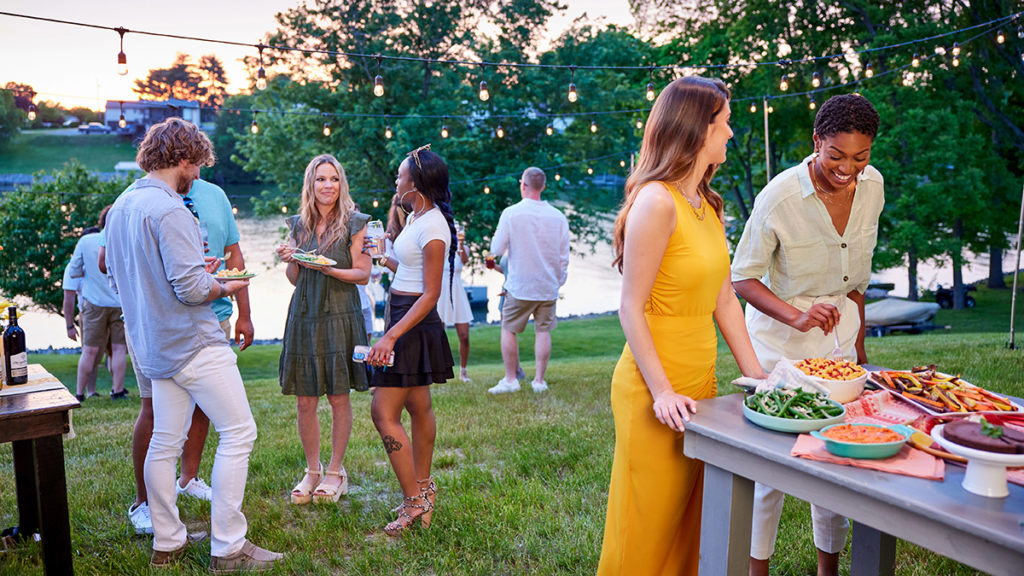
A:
(416, 154)
(191, 205)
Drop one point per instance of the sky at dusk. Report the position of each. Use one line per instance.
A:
(77, 66)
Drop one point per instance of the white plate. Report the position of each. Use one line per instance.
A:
(986, 471)
(227, 278)
(309, 260)
(1018, 409)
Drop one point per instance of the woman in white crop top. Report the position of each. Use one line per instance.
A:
(414, 333)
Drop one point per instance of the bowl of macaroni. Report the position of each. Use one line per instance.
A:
(844, 380)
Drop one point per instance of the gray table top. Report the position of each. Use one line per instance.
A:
(999, 520)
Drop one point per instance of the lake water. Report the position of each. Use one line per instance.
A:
(593, 285)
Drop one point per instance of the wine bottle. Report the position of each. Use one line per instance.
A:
(15, 355)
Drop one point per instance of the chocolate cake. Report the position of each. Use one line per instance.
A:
(969, 434)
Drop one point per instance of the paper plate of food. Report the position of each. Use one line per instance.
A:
(942, 394)
(233, 274)
(314, 259)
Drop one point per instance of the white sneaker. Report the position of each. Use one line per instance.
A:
(141, 521)
(539, 386)
(464, 376)
(196, 488)
(504, 387)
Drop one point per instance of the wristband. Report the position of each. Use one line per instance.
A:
(70, 326)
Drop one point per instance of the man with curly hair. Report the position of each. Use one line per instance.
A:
(156, 263)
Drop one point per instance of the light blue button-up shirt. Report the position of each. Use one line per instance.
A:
(155, 259)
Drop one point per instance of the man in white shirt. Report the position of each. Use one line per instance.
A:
(536, 237)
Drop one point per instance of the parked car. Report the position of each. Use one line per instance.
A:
(94, 128)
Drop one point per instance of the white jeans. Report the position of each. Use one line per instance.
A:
(829, 528)
(212, 381)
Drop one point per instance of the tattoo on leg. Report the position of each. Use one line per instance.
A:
(391, 445)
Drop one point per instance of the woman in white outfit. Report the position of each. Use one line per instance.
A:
(811, 235)
(453, 306)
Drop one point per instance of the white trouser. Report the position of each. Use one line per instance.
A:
(212, 381)
(829, 528)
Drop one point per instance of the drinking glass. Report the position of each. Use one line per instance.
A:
(375, 235)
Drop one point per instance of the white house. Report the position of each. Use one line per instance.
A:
(144, 113)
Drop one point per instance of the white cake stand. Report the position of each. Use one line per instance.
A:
(986, 471)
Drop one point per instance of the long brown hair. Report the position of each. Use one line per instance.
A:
(309, 216)
(673, 137)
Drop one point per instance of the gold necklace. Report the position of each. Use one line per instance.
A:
(828, 198)
(703, 207)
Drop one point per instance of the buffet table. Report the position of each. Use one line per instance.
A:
(985, 533)
(34, 417)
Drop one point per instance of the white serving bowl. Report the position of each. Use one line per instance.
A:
(843, 391)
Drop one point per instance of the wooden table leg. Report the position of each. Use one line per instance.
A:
(25, 486)
(53, 505)
(872, 552)
(725, 523)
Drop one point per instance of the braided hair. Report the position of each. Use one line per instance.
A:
(430, 175)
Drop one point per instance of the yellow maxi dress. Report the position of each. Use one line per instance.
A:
(654, 500)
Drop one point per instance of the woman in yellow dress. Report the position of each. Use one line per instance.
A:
(671, 249)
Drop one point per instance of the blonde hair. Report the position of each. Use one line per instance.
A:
(674, 135)
(309, 216)
(172, 142)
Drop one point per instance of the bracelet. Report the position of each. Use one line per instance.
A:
(70, 326)
(384, 260)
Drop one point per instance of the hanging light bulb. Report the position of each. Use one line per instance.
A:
(650, 92)
(254, 127)
(639, 124)
(816, 79)
(122, 58)
(549, 130)
(500, 132)
(622, 163)
(956, 49)
(812, 105)
(557, 176)
(593, 127)
(121, 122)
(387, 132)
(376, 203)
(771, 109)
(484, 94)
(63, 206)
(234, 209)
(284, 209)
(261, 74)
(572, 85)
(487, 189)
(590, 170)
(31, 112)
(327, 129)
(1020, 32)
(868, 70)
(444, 131)
(956, 61)
(1000, 37)
(784, 83)
(378, 82)
(753, 107)
(916, 61)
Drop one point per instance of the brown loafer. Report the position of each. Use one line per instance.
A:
(167, 558)
(249, 558)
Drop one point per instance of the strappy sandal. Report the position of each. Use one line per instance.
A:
(327, 493)
(302, 493)
(428, 491)
(406, 520)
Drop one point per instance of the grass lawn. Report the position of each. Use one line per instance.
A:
(523, 478)
(35, 150)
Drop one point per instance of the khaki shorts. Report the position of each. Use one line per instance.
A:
(100, 323)
(516, 313)
(145, 384)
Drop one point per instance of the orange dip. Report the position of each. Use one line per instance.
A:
(861, 434)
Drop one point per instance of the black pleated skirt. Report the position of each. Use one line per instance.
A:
(422, 355)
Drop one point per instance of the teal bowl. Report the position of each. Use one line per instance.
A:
(864, 451)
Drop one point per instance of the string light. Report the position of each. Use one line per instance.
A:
(500, 132)
(327, 129)
(261, 74)
(487, 189)
(622, 163)
(639, 124)
(234, 209)
(1020, 32)
(254, 127)
(31, 112)
(868, 70)
(956, 61)
(485, 95)
(444, 131)
(1000, 37)
(916, 61)
(378, 82)
(590, 170)
(784, 83)
(572, 85)
(387, 132)
(812, 104)
(549, 130)
(816, 79)
(650, 87)
(557, 176)
(122, 58)
(593, 127)
(956, 49)
(284, 209)
(771, 109)
(753, 108)
(121, 122)
(376, 203)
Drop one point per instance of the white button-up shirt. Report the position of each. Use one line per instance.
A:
(536, 236)
(791, 245)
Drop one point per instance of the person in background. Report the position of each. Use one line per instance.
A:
(536, 237)
(453, 304)
(670, 245)
(414, 348)
(501, 265)
(101, 318)
(325, 322)
(365, 302)
(178, 343)
(803, 264)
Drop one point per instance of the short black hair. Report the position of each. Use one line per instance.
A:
(846, 113)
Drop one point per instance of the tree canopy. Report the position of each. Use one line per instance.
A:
(205, 81)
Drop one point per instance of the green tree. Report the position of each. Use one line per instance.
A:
(11, 118)
(185, 80)
(37, 236)
(24, 95)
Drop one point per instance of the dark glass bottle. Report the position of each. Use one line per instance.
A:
(15, 354)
